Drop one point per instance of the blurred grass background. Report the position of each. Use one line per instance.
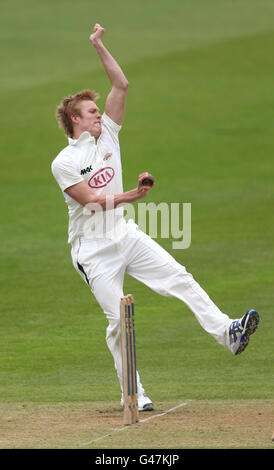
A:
(200, 119)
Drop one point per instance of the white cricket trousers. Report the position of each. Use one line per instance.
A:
(102, 263)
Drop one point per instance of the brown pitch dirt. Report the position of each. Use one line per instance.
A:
(93, 425)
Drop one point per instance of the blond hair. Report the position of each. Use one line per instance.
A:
(69, 106)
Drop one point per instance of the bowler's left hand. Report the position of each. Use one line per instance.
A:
(98, 32)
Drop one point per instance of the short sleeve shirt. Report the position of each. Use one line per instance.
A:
(97, 163)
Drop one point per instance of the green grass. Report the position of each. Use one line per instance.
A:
(199, 118)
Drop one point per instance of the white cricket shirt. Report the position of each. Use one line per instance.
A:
(98, 163)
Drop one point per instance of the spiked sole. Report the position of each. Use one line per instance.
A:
(250, 327)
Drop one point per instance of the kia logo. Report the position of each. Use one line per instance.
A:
(101, 178)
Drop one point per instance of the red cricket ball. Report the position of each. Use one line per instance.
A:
(148, 181)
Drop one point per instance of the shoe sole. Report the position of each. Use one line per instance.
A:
(251, 325)
(147, 407)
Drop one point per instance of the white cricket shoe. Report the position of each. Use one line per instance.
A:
(240, 330)
(144, 403)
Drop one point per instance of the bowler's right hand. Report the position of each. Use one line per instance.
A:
(142, 190)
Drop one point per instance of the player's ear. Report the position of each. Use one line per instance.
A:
(74, 118)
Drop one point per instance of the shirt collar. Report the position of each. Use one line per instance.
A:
(84, 138)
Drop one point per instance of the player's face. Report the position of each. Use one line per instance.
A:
(90, 118)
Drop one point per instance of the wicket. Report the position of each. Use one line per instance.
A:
(130, 391)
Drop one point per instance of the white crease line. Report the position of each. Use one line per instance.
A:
(140, 421)
(164, 413)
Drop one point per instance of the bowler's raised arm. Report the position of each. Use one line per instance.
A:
(116, 100)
